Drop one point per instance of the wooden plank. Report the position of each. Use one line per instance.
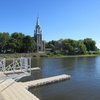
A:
(11, 90)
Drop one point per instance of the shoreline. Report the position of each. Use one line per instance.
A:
(43, 55)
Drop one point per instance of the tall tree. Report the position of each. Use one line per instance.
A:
(18, 41)
(51, 44)
(4, 38)
(28, 44)
(69, 46)
(81, 47)
(12, 45)
(90, 44)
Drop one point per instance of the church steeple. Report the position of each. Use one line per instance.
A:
(37, 28)
(37, 24)
(40, 46)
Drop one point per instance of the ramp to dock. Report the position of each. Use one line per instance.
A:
(15, 66)
(16, 75)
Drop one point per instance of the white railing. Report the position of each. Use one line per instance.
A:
(2, 64)
(18, 66)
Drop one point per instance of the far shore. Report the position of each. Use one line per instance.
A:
(40, 55)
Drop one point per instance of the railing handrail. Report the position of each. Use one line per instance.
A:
(22, 64)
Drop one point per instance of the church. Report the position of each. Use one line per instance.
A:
(40, 44)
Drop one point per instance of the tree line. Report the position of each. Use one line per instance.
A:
(20, 43)
(72, 47)
(16, 43)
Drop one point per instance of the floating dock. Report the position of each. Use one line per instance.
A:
(12, 90)
(44, 81)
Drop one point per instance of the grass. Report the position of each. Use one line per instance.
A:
(17, 55)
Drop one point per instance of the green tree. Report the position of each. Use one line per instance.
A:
(90, 44)
(4, 38)
(12, 45)
(69, 46)
(28, 44)
(81, 47)
(51, 44)
(18, 41)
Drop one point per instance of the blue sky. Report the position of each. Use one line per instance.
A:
(74, 19)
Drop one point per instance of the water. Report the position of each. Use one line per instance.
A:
(83, 85)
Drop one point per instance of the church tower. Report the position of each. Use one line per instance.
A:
(40, 46)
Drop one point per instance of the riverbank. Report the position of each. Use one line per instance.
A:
(36, 55)
(18, 55)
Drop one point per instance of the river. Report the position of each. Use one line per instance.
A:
(83, 85)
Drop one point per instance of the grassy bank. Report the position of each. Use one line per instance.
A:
(85, 55)
(17, 55)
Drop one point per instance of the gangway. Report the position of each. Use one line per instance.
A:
(18, 68)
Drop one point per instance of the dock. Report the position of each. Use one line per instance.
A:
(20, 71)
(12, 90)
(44, 81)
(12, 74)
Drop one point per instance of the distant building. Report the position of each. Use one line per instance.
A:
(40, 44)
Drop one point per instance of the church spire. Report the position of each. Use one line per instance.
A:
(37, 28)
(37, 24)
(40, 46)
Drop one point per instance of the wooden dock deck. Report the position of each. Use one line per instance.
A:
(12, 90)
